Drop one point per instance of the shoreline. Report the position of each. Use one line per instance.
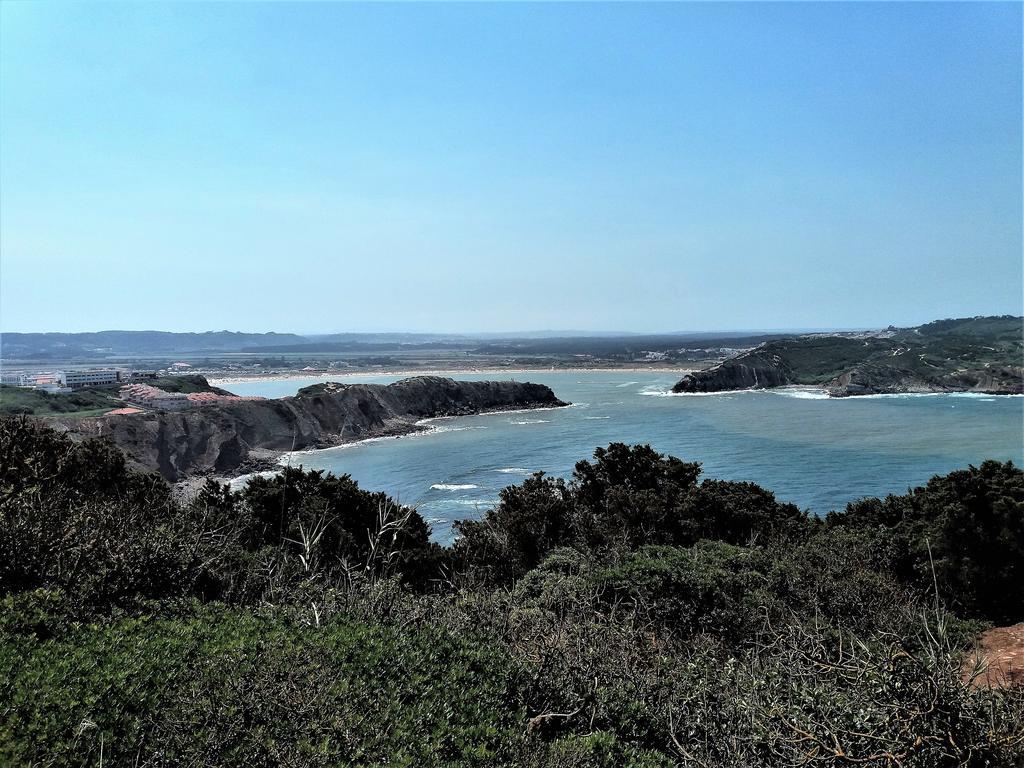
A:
(224, 380)
(268, 462)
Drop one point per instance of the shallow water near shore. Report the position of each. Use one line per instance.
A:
(814, 451)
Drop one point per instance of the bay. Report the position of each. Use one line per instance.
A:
(817, 452)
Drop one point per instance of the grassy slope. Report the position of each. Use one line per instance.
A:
(30, 401)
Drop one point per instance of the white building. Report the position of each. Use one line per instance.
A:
(151, 397)
(94, 378)
(15, 379)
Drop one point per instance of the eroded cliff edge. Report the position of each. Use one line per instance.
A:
(238, 436)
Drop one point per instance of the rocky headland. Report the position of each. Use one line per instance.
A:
(981, 354)
(245, 435)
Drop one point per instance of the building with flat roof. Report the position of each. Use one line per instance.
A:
(93, 378)
(14, 378)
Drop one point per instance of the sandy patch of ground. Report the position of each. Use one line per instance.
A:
(1002, 648)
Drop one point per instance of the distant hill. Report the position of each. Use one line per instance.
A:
(51, 346)
(106, 344)
(610, 346)
(981, 354)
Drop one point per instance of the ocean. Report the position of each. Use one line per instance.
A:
(816, 452)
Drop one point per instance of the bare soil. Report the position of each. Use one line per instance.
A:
(1002, 649)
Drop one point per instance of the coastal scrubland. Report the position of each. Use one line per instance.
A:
(636, 614)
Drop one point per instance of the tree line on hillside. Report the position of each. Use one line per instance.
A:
(634, 614)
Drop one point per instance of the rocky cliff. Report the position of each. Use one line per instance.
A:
(237, 436)
(755, 370)
(982, 354)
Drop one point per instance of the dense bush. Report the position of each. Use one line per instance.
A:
(967, 526)
(629, 496)
(338, 523)
(631, 616)
(74, 517)
(229, 687)
(713, 588)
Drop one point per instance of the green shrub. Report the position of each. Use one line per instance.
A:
(965, 530)
(226, 687)
(713, 588)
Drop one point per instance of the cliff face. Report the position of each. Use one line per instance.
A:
(229, 437)
(871, 379)
(751, 371)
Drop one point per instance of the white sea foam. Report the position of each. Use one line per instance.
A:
(802, 394)
(813, 393)
(627, 384)
(514, 471)
(475, 502)
(516, 411)
(648, 392)
(241, 481)
(436, 418)
(977, 396)
(595, 418)
(531, 421)
(453, 486)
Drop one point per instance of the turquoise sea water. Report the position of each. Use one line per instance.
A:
(816, 452)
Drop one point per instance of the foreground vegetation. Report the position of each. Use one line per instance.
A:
(634, 615)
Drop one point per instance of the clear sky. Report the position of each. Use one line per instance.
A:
(474, 167)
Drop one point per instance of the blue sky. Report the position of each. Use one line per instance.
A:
(473, 167)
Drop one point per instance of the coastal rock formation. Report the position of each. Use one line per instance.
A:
(749, 371)
(980, 354)
(234, 436)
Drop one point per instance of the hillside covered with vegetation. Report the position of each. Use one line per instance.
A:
(984, 354)
(635, 615)
(89, 401)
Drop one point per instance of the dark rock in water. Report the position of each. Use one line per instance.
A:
(224, 437)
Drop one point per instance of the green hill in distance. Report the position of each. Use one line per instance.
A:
(977, 354)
